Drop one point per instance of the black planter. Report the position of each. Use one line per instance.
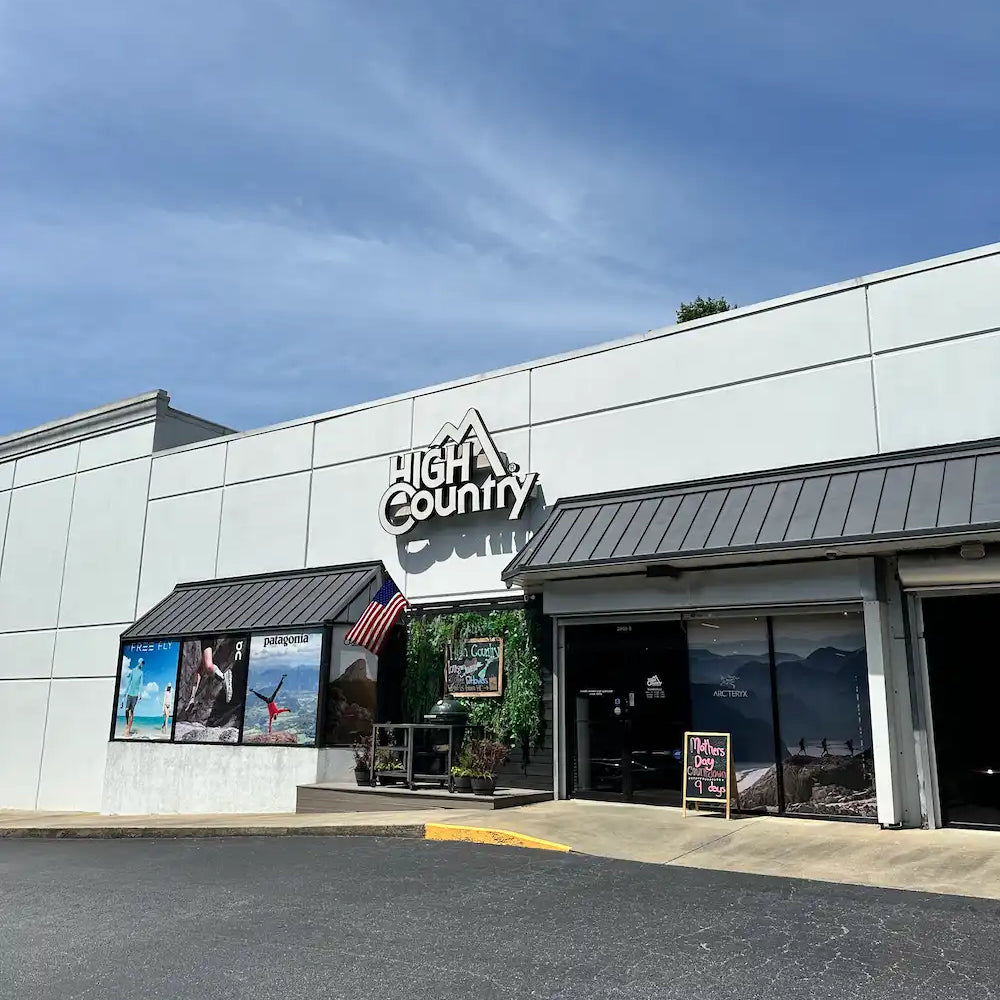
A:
(484, 786)
(362, 776)
(463, 783)
(389, 779)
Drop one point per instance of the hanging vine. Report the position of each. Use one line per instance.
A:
(516, 716)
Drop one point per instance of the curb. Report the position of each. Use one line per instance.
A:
(408, 830)
(485, 835)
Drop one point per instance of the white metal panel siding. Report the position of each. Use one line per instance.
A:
(72, 770)
(187, 471)
(503, 402)
(813, 416)
(182, 535)
(26, 655)
(22, 724)
(46, 465)
(6, 475)
(264, 526)
(343, 519)
(940, 394)
(950, 301)
(133, 442)
(802, 335)
(33, 556)
(379, 430)
(87, 652)
(105, 545)
(274, 453)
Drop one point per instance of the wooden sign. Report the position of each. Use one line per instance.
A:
(708, 770)
(474, 669)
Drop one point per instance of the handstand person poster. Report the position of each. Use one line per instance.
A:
(211, 689)
(147, 681)
(283, 690)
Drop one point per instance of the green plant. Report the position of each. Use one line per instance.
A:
(513, 718)
(487, 757)
(461, 772)
(361, 748)
(386, 760)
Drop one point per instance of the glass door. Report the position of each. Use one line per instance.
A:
(628, 707)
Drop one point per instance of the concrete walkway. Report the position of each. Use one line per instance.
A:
(960, 862)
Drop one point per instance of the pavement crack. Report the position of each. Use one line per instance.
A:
(701, 847)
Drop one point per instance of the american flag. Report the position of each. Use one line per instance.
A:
(379, 617)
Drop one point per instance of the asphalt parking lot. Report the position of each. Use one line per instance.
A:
(350, 918)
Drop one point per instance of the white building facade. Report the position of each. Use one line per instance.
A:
(106, 513)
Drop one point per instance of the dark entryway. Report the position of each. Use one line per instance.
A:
(962, 638)
(627, 710)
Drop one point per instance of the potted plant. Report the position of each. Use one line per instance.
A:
(361, 748)
(487, 756)
(462, 772)
(386, 760)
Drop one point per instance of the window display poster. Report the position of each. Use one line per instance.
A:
(147, 682)
(283, 688)
(211, 689)
(352, 693)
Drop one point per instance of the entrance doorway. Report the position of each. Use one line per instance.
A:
(627, 709)
(963, 662)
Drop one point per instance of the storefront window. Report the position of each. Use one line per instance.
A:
(730, 675)
(351, 694)
(824, 719)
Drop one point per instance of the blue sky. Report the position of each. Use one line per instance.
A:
(272, 209)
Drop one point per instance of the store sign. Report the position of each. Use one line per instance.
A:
(708, 769)
(462, 472)
(475, 669)
(727, 688)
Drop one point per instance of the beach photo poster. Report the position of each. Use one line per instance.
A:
(283, 688)
(147, 683)
(211, 689)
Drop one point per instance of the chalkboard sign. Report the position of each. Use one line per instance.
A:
(474, 669)
(708, 769)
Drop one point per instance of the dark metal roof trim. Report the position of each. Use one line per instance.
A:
(294, 599)
(937, 492)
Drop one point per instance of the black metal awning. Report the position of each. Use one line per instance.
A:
(298, 599)
(880, 503)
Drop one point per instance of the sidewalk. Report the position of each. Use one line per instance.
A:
(959, 862)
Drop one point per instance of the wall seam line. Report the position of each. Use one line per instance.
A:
(142, 543)
(871, 369)
(55, 630)
(309, 496)
(222, 510)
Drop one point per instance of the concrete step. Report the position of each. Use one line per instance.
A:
(337, 796)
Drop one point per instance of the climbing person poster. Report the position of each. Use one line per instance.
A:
(147, 679)
(211, 689)
(283, 688)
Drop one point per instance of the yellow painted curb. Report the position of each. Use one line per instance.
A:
(482, 835)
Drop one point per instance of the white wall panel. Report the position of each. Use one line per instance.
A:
(22, 723)
(502, 401)
(812, 416)
(133, 442)
(87, 652)
(343, 521)
(272, 454)
(4, 509)
(378, 430)
(802, 335)
(931, 305)
(31, 574)
(6, 475)
(76, 744)
(182, 534)
(105, 545)
(264, 526)
(460, 555)
(939, 394)
(187, 471)
(26, 655)
(46, 465)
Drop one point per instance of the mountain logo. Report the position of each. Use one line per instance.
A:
(461, 472)
(654, 681)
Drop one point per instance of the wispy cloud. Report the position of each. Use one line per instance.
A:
(273, 209)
